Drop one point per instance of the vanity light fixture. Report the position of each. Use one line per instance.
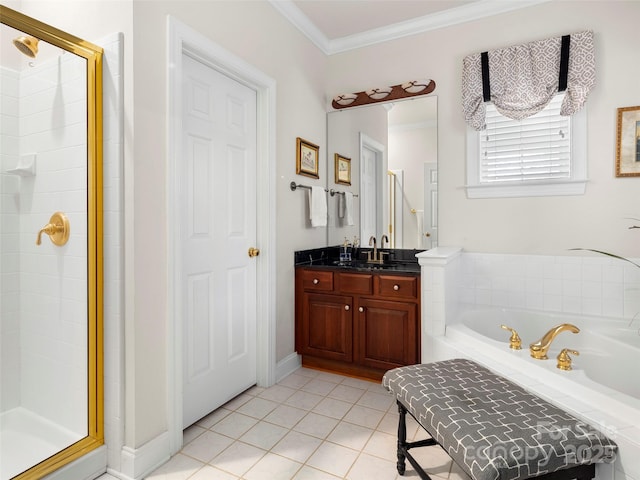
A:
(382, 94)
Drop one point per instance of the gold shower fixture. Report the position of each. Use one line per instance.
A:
(27, 45)
(57, 229)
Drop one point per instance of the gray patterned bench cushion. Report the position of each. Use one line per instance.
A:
(492, 428)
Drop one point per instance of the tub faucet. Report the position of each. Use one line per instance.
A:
(540, 348)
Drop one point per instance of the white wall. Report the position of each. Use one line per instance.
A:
(528, 225)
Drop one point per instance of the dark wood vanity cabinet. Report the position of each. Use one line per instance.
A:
(358, 323)
(328, 326)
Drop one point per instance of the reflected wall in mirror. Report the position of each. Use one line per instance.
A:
(51, 291)
(393, 151)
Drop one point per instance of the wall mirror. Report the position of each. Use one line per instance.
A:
(393, 152)
(51, 247)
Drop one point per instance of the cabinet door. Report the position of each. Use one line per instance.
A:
(327, 326)
(386, 334)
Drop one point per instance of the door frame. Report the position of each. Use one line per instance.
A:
(396, 208)
(183, 40)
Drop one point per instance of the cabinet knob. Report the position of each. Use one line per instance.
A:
(361, 309)
(316, 281)
(346, 307)
(396, 287)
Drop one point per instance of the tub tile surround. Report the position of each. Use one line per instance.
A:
(586, 285)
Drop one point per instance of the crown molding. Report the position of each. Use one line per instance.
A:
(446, 18)
(291, 12)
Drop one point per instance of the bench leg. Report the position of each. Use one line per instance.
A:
(402, 438)
(404, 446)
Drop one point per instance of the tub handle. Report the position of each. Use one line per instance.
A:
(564, 360)
(515, 342)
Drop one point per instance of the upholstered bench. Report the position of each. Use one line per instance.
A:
(492, 428)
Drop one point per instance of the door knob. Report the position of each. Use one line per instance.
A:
(57, 229)
(254, 252)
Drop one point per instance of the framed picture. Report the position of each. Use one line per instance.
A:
(343, 170)
(307, 158)
(628, 145)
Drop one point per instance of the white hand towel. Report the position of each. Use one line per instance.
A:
(341, 206)
(318, 207)
(348, 207)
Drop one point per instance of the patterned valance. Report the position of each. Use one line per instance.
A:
(521, 80)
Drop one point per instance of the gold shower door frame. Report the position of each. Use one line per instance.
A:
(93, 56)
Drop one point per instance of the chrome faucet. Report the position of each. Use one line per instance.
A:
(373, 243)
(540, 348)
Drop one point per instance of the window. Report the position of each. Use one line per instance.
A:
(542, 155)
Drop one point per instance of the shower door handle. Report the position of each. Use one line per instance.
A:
(57, 229)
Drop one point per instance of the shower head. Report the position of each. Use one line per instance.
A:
(27, 45)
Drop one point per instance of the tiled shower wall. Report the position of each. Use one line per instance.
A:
(53, 282)
(51, 318)
(584, 283)
(9, 243)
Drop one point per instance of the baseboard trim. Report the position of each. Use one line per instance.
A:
(139, 462)
(288, 365)
(89, 466)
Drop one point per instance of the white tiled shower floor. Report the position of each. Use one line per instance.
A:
(310, 426)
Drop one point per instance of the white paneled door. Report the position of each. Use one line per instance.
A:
(430, 233)
(218, 209)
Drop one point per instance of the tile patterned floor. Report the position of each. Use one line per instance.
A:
(310, 426)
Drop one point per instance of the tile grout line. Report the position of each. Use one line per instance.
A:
(303, 378)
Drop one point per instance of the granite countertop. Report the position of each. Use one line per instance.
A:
(396, 261)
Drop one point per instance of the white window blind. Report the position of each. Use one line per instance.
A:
(537, 148)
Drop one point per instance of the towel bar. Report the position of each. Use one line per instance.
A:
(294, 185)
(333, 192)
